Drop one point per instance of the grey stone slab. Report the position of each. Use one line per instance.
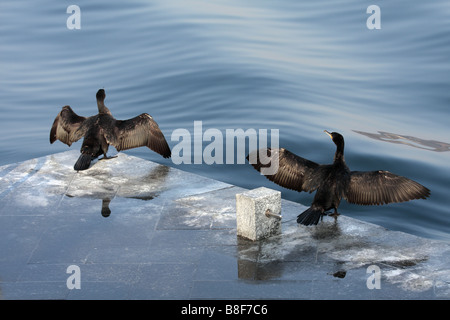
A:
(193, 238)
(14, 175)
(77, 238)
(176, 216)
(164, 281)
(44, 272)
(116, 254)
(19, 236)
(247, 289)
(217, 264)
(96, 290)
(205, 210)
(29, 201)
(215, 202)
(141, 230)
(33, 290)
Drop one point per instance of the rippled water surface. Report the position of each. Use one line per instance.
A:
(297, 66)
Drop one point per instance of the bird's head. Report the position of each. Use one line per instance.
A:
(337, 138)
(101, 95)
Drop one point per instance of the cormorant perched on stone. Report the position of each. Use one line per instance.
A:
(335, 181)
(103, 129)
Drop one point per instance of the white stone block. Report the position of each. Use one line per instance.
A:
(258, 213)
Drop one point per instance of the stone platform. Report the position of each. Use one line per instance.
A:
(136, 229)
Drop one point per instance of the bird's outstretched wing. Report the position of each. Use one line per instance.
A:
(65, 125)
(382, 187)
(294, 172)
(140, 131)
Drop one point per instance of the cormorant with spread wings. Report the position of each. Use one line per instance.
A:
(103, 129)
(335, 181)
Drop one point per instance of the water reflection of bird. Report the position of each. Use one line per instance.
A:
(106, 211)
(103, 129)
(335, 181)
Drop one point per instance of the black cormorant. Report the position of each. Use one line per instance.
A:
(103, 129)
(335, 181)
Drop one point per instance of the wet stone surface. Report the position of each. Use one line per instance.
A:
(141, 230)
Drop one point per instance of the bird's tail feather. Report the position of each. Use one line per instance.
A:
(83, 162)
(310, 216)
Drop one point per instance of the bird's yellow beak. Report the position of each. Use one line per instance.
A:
(328, 133)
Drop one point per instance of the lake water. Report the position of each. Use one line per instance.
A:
(296, 66)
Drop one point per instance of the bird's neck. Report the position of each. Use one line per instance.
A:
(339, 155)
(102, 108)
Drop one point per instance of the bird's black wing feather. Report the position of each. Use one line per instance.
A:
(293, 172)
(66, 123)
(382, 187)
(136, 132)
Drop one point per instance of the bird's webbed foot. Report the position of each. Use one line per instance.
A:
(335, 214)
(105, 157)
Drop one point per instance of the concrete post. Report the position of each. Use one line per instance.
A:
(258, 213)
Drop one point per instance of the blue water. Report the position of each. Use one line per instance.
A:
(297, 66)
